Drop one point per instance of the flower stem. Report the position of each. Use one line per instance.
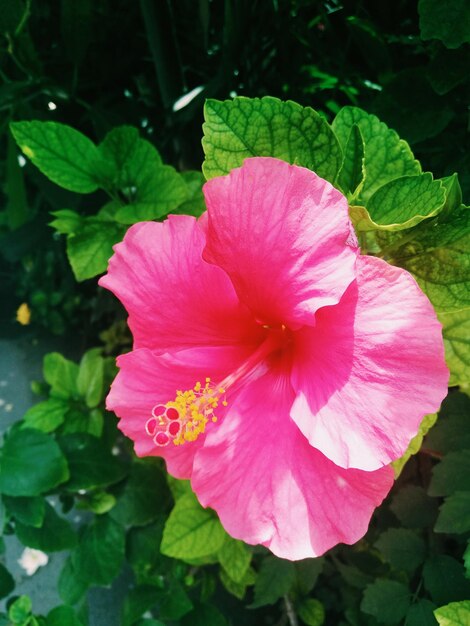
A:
(290, 612)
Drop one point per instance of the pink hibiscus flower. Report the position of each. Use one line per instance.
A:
(273, 365)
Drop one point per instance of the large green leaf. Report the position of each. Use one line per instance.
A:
(191, 531)
(386, 156)
(438, 254)
(454, 614)
(245, 127)
(28, 511)
(413, 507)
(62, 616)
(31, 463)
(451, 474)
(54, 535)
(452, 431)
(444, 578)
(421, 614)
(235, 558)
(447, 20)
(63, 154)
(456, 333)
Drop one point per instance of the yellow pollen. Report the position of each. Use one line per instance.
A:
(185, 418)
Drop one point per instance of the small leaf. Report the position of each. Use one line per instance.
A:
(90, 377)
(191, 531)
(54, 535)
(307, 572)
(275, 579)
(20, 610)
(454, 614)
(137, 602)
(386, 600)
(311, 612)
(406, 201)
(421, 614)
(447, 20)
(31, 463)
(90, 249)
(245, 127)
(235, 558)
(454, 514)
(402, 548)
(444, 579)
(451, 474)
(62, 616)
(46, 416)
(386, 156)
(28, 511)
(204, 615)
(352, 173)
(61, 374)
(144, 496)
(452, 431)
(63, 154)
(66, 221)
(7, 584)
(100, 552)
(71, 586)
(90, 465)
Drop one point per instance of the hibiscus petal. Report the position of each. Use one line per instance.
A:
(370, 370)
(174, 298)
(147, 378)
(283, 235)
(269, 486)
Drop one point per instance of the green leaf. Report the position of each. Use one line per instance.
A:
(98, 501)
(402, 548)
(15, 190)
(91, 465)
(311, 612)
(452, 431)
(155, 197)
(90, 248)
(415, 444)
(275, 579)
(100, 552)
(454, 614)
(447, 20)
(20, 610)
(421, 614)
(454, 514)
(444, 579)
(466, 560)
(245, 127)
(63, 616)
(79, 421)
(28, 511)
(204, 615)
(144, 496)
(456, 333)
(137, 602)
(386, 600)
(46, 416)
(195, 204)
(307, 572)
(438, 256)
(7, 584)
(352, 173)
(174, 602)
(31, 463)
(238, 589)
(406, 201)
(451, 474)
(91, 377)
(61, 374)
(54, 535)
(71, 586)
(66, 221)
(413, 507)
(191, 531)
(386, 156)
(63, 154)
(134, 159)
(143, 544)
(235, 558)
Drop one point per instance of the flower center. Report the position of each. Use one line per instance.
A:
(183, 419)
